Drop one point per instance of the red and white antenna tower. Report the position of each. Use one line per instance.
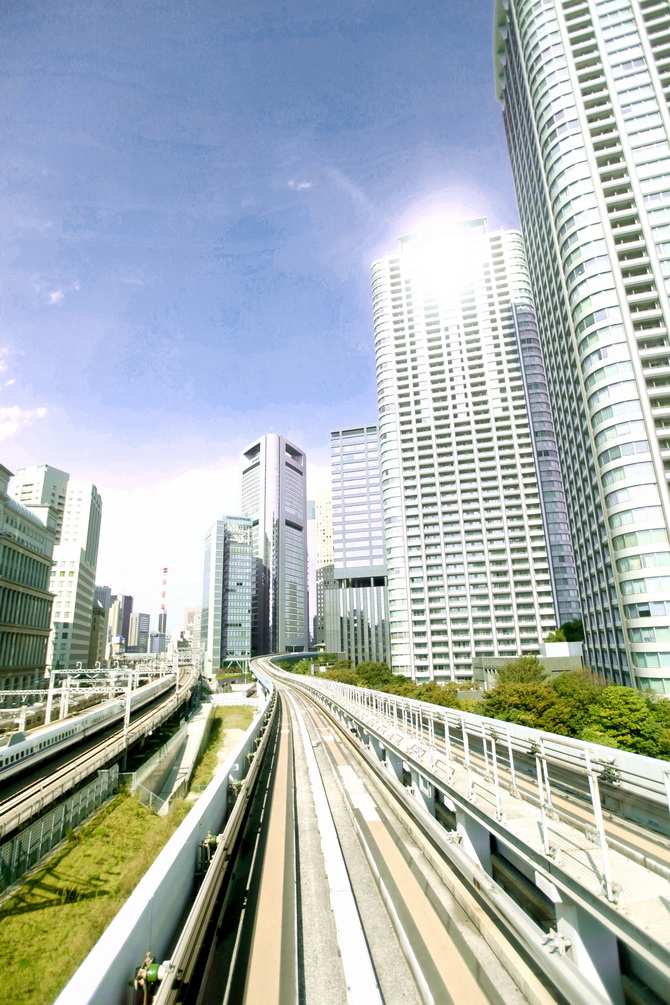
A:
(162, 614)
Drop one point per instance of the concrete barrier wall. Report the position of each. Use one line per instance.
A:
(148, 918)
(153, 772)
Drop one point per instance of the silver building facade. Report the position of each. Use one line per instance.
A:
(138, 633)
(274, 498)
(355, 601)
(323, 571)
(584, 86)
(467, 561)
(229, 572)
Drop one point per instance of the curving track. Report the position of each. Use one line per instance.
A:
(330, 895)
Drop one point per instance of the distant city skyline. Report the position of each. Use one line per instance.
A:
(185, 240)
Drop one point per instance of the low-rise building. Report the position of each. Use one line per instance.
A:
(555, 657)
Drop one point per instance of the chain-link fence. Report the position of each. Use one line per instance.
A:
(20, 853)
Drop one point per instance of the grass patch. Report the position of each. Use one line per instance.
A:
(224, 718)
(53, 921)
(50, 925)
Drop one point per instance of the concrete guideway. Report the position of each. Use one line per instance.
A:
(326, 897)
(359, 972)
(209, 961)
(390, 937)
(444, 963)
(610, 934)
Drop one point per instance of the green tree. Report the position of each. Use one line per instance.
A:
(340, 665)
(557, 636)
(400, 685)
(345, 675)
(581, 691)
(594, 735)
(438, 694)
(533, 704)
(301, 666)
(660, 710)
(374, 675)
(523, 670)
(623, 714)
(573, 630)
(404, 688)
(472, 705)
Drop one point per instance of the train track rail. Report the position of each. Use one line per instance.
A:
(320, 891)
(35, 797)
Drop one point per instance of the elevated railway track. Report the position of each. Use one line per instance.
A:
(539, 850)
(26, 797)
(384, 851)
(319, 897)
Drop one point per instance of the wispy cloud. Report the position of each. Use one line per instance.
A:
(13, 418)
(299, 186)
(57, 296)
(353, 191)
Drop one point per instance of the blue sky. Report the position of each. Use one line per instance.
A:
(192, 192)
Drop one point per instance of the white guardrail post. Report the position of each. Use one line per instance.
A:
(600, 827)
(492, 794)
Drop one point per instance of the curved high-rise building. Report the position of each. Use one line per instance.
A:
(584, 86)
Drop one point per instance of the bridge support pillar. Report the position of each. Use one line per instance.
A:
(594, 949)
(395, 764)
(424, 792)
(475, 840)
(378, 748)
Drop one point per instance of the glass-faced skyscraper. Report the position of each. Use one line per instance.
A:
(467, 562)
(323, 548)
(274, 498)
(356, 615)
(584, 86)
(228, 581)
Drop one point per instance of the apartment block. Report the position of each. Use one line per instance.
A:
(468, 565)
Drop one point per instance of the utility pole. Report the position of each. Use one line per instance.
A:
(50, 697)
(126, 718)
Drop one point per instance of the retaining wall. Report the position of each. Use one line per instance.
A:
(148, 919)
